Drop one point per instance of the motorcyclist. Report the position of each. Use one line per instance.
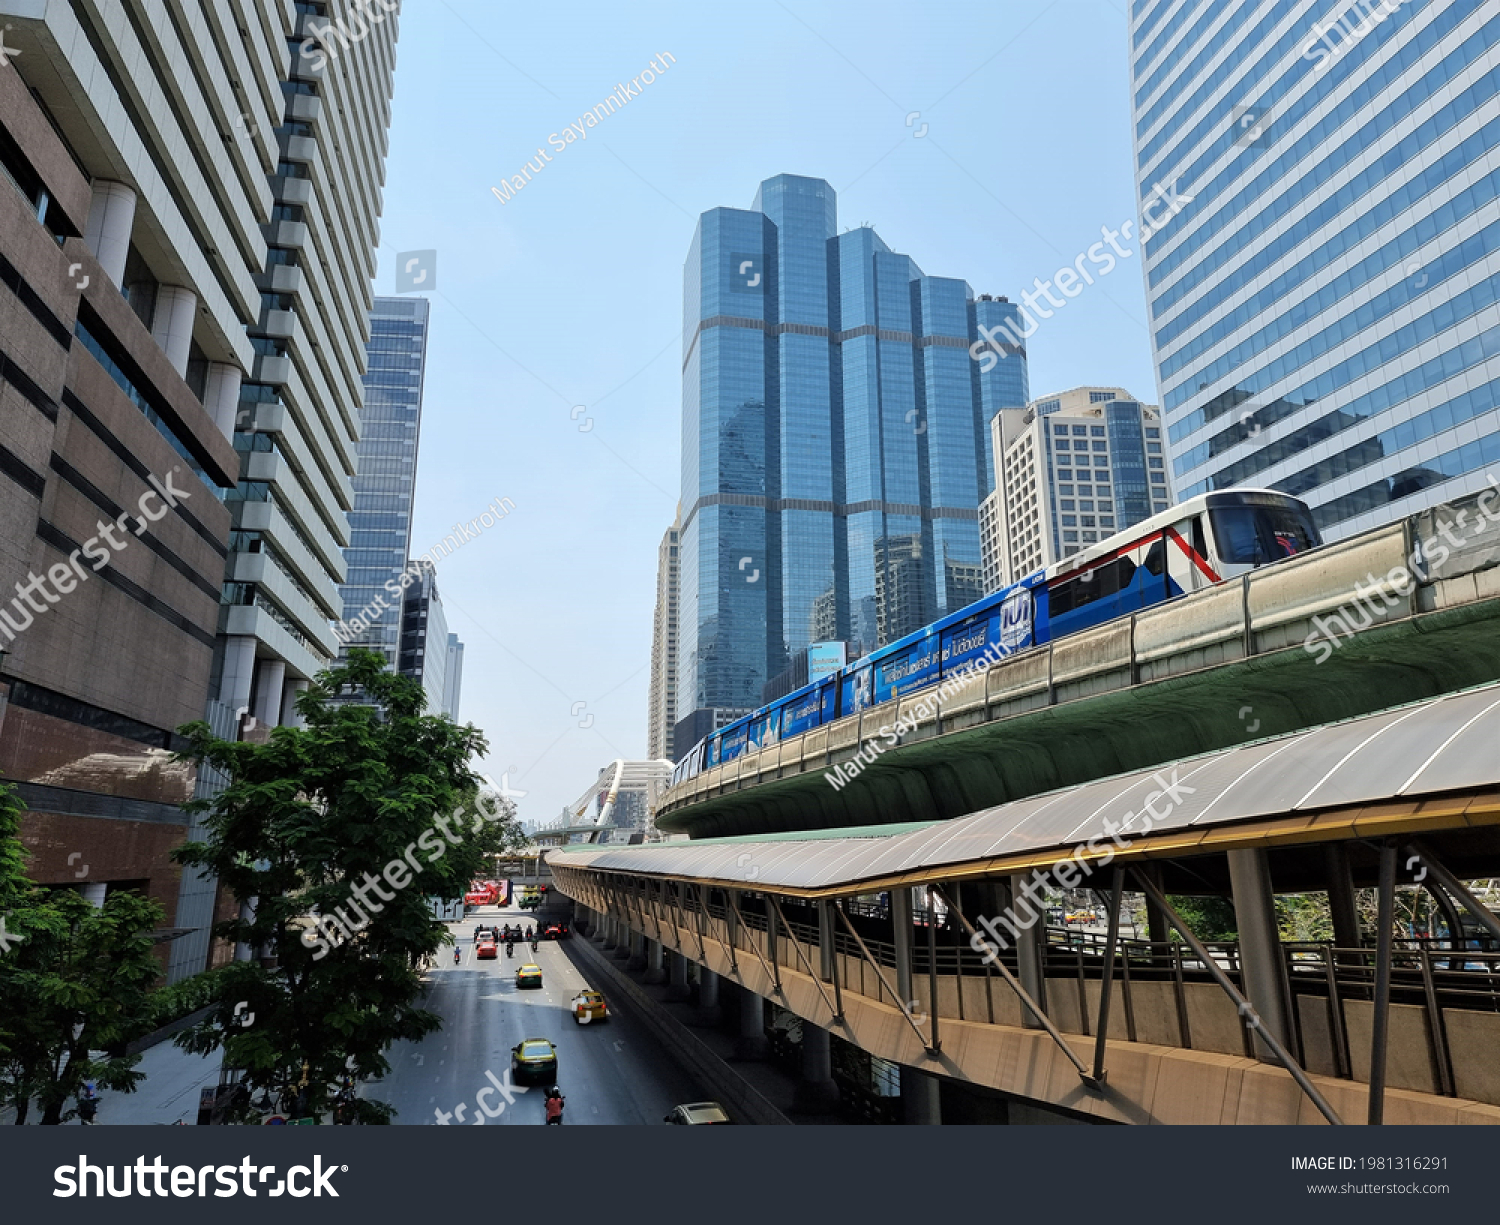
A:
(554, 1106)
(457, 955)
(88, 1104)
(510, 948)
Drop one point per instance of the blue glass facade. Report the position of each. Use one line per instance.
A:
(835, 441)
(1324, 311)
(385, 487)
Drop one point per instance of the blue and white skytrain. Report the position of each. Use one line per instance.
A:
(1195, 544)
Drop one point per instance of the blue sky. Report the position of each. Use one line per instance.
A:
(571, 293)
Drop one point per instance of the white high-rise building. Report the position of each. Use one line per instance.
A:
(1072, 469)
(662, 716)
(453, 677)
(1322, 186)
(312, 136)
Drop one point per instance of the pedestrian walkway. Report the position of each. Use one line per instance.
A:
(169, 1093)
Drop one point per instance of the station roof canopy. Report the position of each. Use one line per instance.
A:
(1433, 765)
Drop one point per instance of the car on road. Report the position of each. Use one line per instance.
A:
(698, 1113)
(589, 1006)
(1080, 916)
(529, 975)
(533, 1059)
(487, 950)
(554, 931)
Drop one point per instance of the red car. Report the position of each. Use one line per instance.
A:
(488, 950)
(554, 931)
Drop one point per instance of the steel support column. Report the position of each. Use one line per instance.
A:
(901, 934)
(1260, 945)
(1380, 1020)
(1154, 895)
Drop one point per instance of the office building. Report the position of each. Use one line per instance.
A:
(453, 677)
(177, 176)
(835, 450)
(423, 651)
(122, 308)
(1323, 310)
(385, 484)
(1075, 468)
(661, 718)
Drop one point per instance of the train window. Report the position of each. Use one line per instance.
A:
(1255, 535)
(1156, 556)
(1200, 541)
(1106, 580)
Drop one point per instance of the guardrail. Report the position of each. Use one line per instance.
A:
(1167, 993)
(1263, 611)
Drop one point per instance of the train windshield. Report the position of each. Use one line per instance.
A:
(1255, 535)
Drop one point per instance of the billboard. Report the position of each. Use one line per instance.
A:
(824, 659)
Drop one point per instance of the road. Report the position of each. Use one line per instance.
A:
(610, 1073)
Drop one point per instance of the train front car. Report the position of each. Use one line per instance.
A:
(1196, 544)
(1254, 527)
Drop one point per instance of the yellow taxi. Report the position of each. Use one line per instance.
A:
(529, 975)
(533, 1059)
(589, 1006)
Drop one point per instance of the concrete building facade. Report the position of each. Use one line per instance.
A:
(172, 360)
(1074, 468)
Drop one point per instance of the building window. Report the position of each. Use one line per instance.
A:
(1067, 504)
(1070, 520)
(1072, 537)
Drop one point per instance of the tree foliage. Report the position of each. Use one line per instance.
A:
(75, 982)
(341, 831)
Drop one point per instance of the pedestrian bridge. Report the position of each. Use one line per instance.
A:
(924, 944)
(1396, 615)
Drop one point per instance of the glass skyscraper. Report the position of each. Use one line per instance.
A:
(1324, 308)
(385, 487)
(835, 441)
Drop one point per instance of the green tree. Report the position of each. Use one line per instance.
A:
(1211, 917)
(340, 831)
(76, 980)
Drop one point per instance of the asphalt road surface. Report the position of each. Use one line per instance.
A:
(609, 1072)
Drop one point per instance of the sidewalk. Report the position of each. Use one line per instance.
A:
(169, 1092)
